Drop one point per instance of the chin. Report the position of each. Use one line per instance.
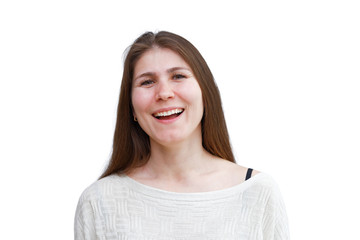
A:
(175, 136)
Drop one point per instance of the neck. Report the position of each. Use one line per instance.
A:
(177, 162)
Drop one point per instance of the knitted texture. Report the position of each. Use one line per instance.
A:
(118, 207)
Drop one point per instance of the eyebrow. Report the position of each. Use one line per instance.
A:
(170, 70)
(174, 69)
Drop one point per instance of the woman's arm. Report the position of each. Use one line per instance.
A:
(84, 226)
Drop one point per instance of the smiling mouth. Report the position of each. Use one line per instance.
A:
(166, 115)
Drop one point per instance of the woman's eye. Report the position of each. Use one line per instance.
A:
(147, 82)
(178, 76)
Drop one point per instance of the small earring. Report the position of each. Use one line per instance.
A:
(135, 119)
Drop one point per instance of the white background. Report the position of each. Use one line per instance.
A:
(288, 72)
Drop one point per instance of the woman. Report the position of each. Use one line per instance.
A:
(172, 173)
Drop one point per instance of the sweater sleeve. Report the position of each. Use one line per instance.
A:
(281, 228)
(275, 221)
(84, 225)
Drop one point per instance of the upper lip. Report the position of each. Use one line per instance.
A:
(166, 110)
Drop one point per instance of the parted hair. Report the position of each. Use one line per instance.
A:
(131, 145)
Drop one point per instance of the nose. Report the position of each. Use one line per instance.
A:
(164, 91)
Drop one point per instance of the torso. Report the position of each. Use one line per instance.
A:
(117, 207)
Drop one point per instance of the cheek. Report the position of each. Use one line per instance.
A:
(193, 94)
(139, 100)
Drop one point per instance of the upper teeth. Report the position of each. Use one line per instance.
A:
(168, 113)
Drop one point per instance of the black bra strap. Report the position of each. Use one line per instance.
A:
(248, 174)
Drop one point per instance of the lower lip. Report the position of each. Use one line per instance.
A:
(168, 121)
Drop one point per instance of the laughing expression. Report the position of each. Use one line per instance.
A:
(166, 97)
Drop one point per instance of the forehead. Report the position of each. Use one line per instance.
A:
(159, 59)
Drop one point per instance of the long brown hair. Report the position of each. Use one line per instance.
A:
(131, 146)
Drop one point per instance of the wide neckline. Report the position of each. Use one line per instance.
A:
(193, 196)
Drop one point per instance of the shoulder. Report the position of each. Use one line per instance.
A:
(264, 182)
(264, 194)
(103, 188)
(274, 209)
(265, 189)
(93, 196)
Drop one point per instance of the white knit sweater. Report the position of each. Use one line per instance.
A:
(118, 207)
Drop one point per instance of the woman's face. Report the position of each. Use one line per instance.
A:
(166, 97)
